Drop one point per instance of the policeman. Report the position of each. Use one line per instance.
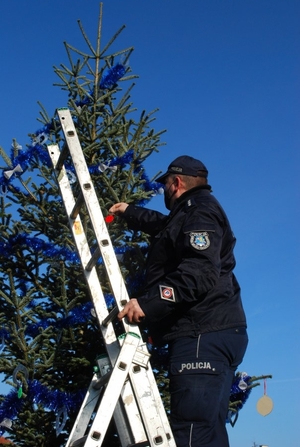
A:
(191, 300)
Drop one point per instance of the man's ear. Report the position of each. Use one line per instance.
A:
(177, 182)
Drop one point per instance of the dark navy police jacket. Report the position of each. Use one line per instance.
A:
(190, 286)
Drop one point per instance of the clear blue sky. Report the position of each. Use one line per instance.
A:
(225, 76)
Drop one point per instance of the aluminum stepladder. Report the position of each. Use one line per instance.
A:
(128, 392)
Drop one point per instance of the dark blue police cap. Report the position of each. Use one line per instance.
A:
(184, 165)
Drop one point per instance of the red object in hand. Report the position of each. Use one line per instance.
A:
(108, 219)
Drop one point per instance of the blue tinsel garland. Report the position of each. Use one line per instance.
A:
(54, 400)
(108, 81)
(112, 76)
(37, 244)
(39, 394)
(238, 392)
(79, 315)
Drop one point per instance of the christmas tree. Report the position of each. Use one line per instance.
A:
(49, 337)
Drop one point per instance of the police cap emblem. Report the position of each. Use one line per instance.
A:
(200, 241)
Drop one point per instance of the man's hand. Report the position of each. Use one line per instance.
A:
(118, 208)
(132, 312)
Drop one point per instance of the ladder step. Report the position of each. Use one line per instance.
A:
(111, 316)
(92, 262)
(63, 155)
(77, 206)
(79, 442)
(141, 444)
(102, 381)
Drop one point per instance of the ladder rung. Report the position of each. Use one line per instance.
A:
(62, 157)
(102, 381)
(140, 444)
(77, 206)
(92, 262)
(111, 316)
(79, 442)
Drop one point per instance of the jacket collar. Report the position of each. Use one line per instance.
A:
(187, 196)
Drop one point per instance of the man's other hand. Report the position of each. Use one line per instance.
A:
(118, 208)
(132, 311)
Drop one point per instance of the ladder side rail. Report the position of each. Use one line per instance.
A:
(84, 253)
(123, 413)
(112, 392)
(92, 279)
(153, 412)
(84, 415)
(149, 400)
(102, 236)
(157, 433)
(107, 251)
(160, 408)
(91, 200)
(138, 382)
(80, 427)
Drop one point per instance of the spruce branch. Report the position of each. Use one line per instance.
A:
(87, 40)
(5, 157)
(76, 50)
(111, 41)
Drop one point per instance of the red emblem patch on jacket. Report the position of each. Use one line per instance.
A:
(167, 293)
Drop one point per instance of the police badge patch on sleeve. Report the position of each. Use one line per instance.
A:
(200, 241)
(167, 293)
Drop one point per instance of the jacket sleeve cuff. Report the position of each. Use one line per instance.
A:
(158, 303)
